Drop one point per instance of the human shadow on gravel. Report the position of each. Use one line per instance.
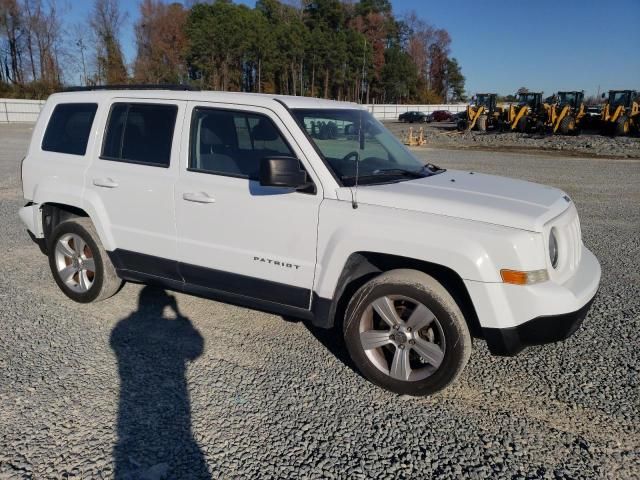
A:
(154, 411)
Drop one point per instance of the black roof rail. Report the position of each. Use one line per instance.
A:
(160, 86)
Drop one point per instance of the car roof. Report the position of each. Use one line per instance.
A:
(240, 98)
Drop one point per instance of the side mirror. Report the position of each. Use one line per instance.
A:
(603, 95)
(282, 172)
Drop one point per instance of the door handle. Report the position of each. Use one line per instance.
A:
(198, 197)
(105, 182)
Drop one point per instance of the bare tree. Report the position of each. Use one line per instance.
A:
(11, 20)
(106, 20)
(161, 42)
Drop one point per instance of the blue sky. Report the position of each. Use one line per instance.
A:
(502, 45)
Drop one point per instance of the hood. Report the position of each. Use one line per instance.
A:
(470, 196)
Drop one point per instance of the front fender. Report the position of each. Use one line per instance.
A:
(474, 250)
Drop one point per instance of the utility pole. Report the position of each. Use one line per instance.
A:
(364, 61)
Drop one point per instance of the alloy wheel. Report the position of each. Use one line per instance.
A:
(402, 338)
(74, 262)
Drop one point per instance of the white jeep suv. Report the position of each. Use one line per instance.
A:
(307, 208)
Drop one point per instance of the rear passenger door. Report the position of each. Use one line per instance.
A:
(235, 236)
(132, 178)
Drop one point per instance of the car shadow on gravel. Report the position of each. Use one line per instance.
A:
(331, 339)
(153, 348)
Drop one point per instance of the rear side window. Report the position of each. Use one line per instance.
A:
(69, 128)
(140, 133)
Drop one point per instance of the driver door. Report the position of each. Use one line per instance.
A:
(234, 235)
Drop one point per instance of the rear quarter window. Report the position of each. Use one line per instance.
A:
(140, 133)
(69, 128)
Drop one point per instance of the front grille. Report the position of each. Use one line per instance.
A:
(567, 228)
(574, 238)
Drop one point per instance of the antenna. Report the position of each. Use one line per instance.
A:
(354, 195)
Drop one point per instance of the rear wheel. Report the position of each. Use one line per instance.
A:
(80, 264)
(481, 124)
(623, 126)
(406, 334)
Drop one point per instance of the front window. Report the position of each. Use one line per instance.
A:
(352, 141)
(528, 99)
(618, 98)
(483, 101)
(565, 98)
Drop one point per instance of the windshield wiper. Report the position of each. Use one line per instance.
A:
(427, 170)
(401, 171)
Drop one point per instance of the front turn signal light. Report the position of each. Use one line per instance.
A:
(516, 277)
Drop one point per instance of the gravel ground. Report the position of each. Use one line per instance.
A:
(152, 384)
(589, 144)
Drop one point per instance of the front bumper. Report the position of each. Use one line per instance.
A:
(513, 316)
(548, 329)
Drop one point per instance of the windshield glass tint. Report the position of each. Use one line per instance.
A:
(618, 98)
(483, 100)
(567, 98)
(529, 99)
(336, 133)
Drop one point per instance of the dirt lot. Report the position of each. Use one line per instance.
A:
(225, 392)
(588, 144)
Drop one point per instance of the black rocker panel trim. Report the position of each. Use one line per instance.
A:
(221, 296)
(246, 286)
(129, 263)
(140, 262)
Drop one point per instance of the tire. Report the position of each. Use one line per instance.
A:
(623, 126)
(444, 343)
(522, 125)
(567, 125)
(462, 125)
(481, 123)
(72, 245)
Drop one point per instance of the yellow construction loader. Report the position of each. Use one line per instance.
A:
(621, 113)
(529, 114)
(482, 114)
(567, 112)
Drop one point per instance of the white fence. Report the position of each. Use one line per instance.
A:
(13, 111)
(391, 112)
(16, 111)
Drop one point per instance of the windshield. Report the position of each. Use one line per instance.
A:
(345, 136)
(566, 97)
(618, 98)
(483, 100)
(528, 98)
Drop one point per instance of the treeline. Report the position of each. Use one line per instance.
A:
(357, 51)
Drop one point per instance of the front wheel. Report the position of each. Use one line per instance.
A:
(481, 124)
(406, 333)
(80, 264)
(567, 125)
(523, 125)
(622, 126)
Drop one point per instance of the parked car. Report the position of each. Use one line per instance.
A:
(441, 116)
(413, 117)
(241, 198)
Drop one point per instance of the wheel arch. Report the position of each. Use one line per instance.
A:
(360, 267)
(54, 213)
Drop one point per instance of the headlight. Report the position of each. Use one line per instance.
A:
(553, 248)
